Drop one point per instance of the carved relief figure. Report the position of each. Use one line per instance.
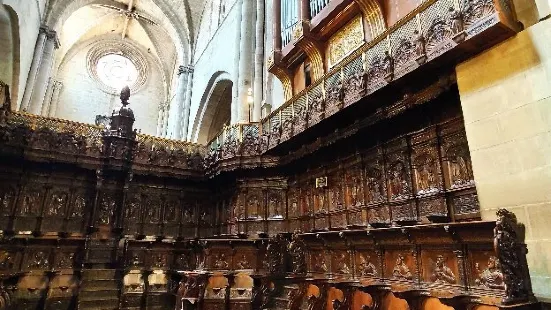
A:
(66, 261)
(182, 262)
(131, 211)
(78, 207)
(366, 268)
(318, 262)
(274, 204)
(253, 205)
(491, 277)
(442, 273)
(6, 201)
(456, 21)
(375, 185)
(511, 254)
(426, 175)
(106, 209)
(388, 66)
(297, 250)
(39, 260)
(342, 266)
(188, 215)
(399, 187)
(220, 261)
(153, 214)
(31, 204)
(419, 43)
(243, 263)
(401, 270)
(159, 260)
(461, 170)
(5, 260)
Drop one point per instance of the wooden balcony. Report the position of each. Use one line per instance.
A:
(429, 41)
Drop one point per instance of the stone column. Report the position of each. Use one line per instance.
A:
(178, 109)
(244, 80)
(47, 98)
(277, 25)
(56, 93)
(187, 103)
(304, 10)
(258, 90)
(160, 115)
(165, 119)
(44, 72)
(35, 65)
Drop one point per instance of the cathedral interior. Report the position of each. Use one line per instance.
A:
(275, 154)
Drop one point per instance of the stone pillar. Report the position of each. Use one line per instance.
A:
(43, 74)
(304, 10)
(160, 116)
(165, 119)
(244, 81)
(56, 93)
(277, 25)
(187, 103)
(179, 101)
(47, 98)
(35, 65)
(258, 90)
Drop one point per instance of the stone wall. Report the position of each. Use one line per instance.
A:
(218, 56)
(82, 99)
(506, 101)
(29, 13)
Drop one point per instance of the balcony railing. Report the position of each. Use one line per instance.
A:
(235, 132)
(434, 28)
(316, 6)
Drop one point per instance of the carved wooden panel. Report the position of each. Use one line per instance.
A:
(458, 170)
(367, 264)
(76, 215)
(29, 207)
(376, 187)
(398, 171)
(400, 265)
(426, 163)
(440, 267)
(354, 192)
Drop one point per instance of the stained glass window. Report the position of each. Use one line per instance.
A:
(116, 71)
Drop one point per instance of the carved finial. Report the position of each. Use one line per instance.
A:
(125, 95)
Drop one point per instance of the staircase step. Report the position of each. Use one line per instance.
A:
(99, 274)
(99, 295)
(106, 304)
(94, 285)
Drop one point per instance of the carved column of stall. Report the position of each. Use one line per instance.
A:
(177, 111)
(164, 132)
(304, 10)
(244, 79)
(44, 72)
(160, 118)
(58, 87)
(53, 99)
(259, 60)
(187, 102)
(35, 65)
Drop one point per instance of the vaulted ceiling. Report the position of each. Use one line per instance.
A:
(165, 28)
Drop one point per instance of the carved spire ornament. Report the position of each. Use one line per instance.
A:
(511, 252)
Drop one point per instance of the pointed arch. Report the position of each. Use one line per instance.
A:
(10, 50)
(213, 107)
(372, 11)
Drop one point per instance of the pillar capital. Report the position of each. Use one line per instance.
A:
(52, 35)
(185, 69)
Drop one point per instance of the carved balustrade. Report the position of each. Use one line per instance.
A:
(40, 138)
(435, 28)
